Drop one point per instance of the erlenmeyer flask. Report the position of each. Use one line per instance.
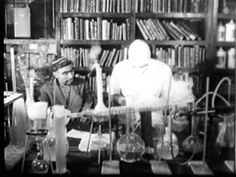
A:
(165, 144)
(130, 146)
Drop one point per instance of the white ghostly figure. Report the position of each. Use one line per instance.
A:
(144, 81)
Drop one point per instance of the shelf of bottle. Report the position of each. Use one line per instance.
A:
(226, 16)
(94, 42)
(29, 41)
(95, 15)
(225, 44)
(171, 15)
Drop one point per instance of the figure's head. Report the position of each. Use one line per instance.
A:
(139, 53)
(63, 70)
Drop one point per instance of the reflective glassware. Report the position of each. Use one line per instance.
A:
(39, 164)
(130, 147)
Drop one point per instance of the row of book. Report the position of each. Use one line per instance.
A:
(95, 6)
(181, 56)
(154, 29)
(95, 29)
(164, 6)
(125, 6)
(90, 83)
(79, 56)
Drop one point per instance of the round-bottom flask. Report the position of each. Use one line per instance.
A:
(193, 144)
(39, 165)
(130, 147)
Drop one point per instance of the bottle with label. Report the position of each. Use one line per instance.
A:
(230, 31)
(221, 32)
(221, 58)
(231, 58)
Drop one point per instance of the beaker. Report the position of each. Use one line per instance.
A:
(37, 114)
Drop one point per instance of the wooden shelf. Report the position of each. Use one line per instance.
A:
(95, 15)
(29, 41)
(10, 97)
(108, 70)
(86, 70)
(171, 15)
(175, 42)
(94, 42)
(224, 71)
(226, 16)
(225, 44)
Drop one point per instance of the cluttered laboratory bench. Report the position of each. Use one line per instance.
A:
(90, 163)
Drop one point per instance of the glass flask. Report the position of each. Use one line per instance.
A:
(39, 165)
(163, 147)
(166, 143)
(193, 143)
(130, 146)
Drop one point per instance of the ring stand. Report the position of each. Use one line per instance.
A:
(160, 167)
(110, 166)
(201, 167)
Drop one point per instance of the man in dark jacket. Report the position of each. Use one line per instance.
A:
(64, 88)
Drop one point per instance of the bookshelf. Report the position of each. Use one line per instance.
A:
(123, 21)
(120, 18)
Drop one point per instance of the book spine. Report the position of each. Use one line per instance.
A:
(142, 29)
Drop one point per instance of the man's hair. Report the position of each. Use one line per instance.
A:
(60, 62)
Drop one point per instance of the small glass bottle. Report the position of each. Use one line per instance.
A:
(221, 32)
(231, 58)
(221, 58)
(230, 30)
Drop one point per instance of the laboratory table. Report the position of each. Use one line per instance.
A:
(80, 163)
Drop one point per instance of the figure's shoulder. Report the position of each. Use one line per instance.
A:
(48, 85)
(121, 65)
(160, 65)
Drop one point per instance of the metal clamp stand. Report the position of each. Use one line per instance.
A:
(201, 167)
(110, 166)
(36, 133)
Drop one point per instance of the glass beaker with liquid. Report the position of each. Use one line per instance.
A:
(37, 114)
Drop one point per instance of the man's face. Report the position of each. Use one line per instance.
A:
(65, 75)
